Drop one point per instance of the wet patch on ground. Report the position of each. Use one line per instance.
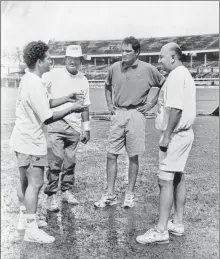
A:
(84, 232)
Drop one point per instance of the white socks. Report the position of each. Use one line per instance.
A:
(31, 221)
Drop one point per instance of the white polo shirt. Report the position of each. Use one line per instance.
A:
(59, 82)
(32, 109)
(178, 91)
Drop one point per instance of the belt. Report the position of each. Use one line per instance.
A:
(180, 130)
(130, 107)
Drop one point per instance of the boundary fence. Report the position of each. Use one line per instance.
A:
(200, 82)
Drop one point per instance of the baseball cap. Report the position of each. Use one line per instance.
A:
(74, 51)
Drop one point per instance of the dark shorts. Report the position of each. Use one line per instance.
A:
(26, 160)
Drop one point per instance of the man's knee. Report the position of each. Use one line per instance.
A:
(133, 158)
(165, 178)
(37, 183)
(112, 157)
(69, 162)
(55, 163)
(55, 154)
(36, 177)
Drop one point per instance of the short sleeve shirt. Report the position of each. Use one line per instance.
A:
(179, 92)
(32, 109)
(132, 85)
(59, 82)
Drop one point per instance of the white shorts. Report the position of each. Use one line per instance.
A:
(175, 158)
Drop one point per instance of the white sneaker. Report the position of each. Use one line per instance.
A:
(69, 198)
(175, 229)
(153, 235)
(106, 200)
(52, 203)
(41, 223)
(129, 200)
(38, 236)
(22, 223)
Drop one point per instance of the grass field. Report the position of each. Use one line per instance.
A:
(85, 233)
(82, 232)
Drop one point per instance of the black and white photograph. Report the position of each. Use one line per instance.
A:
(109, 129)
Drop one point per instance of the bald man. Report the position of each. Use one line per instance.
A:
(175, 117)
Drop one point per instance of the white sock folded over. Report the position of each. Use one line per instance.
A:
(31, 221)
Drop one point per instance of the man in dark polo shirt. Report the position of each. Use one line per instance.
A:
(126, 88)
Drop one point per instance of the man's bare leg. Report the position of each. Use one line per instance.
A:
(111, 169)
(22, 185)
(133, 172)
(179, 197)
(21, 189)
(165, 203)
(35, 182)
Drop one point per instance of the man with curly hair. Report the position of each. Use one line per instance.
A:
(28, 140)
(127, 86)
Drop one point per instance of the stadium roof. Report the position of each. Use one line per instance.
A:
(193, 43)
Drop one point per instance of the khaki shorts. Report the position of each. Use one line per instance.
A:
(175, 158)
(29, 160)
(127, 129)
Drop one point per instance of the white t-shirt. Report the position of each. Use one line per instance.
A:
(59, 82)
(32, 109)
(178, 91)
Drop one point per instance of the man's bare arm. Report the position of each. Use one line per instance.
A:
(76, 107)
(173, 120)
(153, 102)
(85, 115)
(86, 126)
(149, 105)
(108, 97)
(73, 97)
(59, 101)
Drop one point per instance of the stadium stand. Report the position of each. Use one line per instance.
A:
(148, 45)
(201, 54)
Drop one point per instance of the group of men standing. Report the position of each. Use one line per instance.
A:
(51, 106)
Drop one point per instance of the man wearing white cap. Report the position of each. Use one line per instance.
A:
(64, 134)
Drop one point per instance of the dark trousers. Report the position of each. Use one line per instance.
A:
(62, 146)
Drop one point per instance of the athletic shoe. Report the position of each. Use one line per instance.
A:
(175, 229)
(22, 223)
(41, 223)
(153, 235)
(52, 203)
(106, 200)
(69, 198)
(129, 200)
(38, 236)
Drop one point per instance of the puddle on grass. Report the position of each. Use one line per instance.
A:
(85, 232)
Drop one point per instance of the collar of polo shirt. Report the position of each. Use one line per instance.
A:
(134, 65)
